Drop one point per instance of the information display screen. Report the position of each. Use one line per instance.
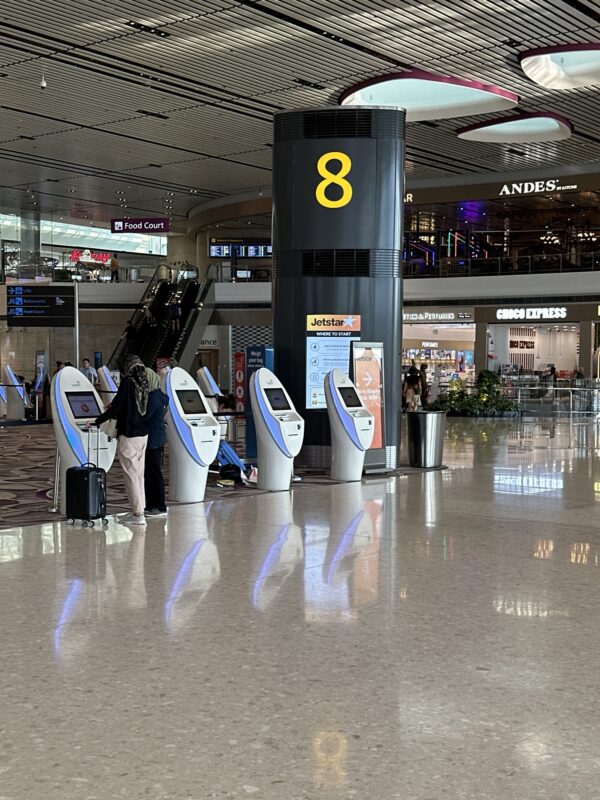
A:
(83, 405)
(277, 399)
(349, 396)
(191, 402)
(240, 248)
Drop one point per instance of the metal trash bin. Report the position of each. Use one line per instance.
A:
(426, 431)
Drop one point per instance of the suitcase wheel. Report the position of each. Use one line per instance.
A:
(70, 522)
(105, 521)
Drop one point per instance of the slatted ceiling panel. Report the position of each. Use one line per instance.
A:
(240, 57)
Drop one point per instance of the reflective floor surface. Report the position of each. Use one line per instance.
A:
(425, 637)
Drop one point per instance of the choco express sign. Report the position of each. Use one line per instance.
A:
(542, 313)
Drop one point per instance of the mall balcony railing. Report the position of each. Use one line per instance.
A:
(83, 273)
(523, 265)
(541, 398)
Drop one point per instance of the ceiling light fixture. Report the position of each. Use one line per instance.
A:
(427, 96)
(148, 29)
(564, 66)
(520, 129)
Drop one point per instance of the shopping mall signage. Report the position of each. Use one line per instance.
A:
(535, 187)
(544, 313)
(573, 312)
(437, 315)
(140, 225)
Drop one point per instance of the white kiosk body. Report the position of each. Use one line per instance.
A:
(75, 403)
(352, 427)
(15, 394)
(108, 385)
(279, 431)
(193, 436)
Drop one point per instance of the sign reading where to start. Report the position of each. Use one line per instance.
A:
(140, 225)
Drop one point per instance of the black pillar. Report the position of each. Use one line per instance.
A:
(338, 188)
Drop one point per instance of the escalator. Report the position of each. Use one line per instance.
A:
(191, 333)
(149, 333)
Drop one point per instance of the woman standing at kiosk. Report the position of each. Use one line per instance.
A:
(129, 409)
(155, 419)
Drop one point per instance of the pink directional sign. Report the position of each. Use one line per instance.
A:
(140, 225)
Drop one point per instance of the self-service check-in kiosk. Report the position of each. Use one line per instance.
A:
(209, 387)
(108, 385)
(352, 427)
(279, 431)
(75, 404)
(193, 436)
(15, 394)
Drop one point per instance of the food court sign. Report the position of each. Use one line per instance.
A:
(140, 225)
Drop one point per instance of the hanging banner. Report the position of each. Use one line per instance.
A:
(367, 371)
(239, 380)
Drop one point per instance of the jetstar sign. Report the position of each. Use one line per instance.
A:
(535, 187)
(333, 322)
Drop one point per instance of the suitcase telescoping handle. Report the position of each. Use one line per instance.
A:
(88, 463)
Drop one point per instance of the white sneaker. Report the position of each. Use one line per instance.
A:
(134, 519)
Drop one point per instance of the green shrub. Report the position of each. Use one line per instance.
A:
(487, 401)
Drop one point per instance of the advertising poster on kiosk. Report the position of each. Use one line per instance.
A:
(328, 338)
(367, 372)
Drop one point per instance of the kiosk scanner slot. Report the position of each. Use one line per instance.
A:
(352, 427)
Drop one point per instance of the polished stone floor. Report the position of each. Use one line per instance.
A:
(428, 637)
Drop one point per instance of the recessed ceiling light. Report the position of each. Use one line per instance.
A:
(426, 95)
(565, 66)
(520, 129)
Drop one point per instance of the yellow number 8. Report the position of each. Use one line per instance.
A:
(335, 179)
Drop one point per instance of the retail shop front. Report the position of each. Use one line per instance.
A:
(533, 339)
(440, 337)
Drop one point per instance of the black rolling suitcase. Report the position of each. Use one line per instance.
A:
(86, 493)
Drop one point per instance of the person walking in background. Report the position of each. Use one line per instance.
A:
(154, 483)
(114, 269)
(411, 390)
(89, 371)
(129, 409)
(423, 385)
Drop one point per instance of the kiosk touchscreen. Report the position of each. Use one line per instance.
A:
(279, 431)
(75, 403)
(352, 427)
(193, 436)
(108, 385)
(15, 394)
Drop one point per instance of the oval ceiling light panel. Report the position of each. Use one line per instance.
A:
(566, 66)
(427, 96)
(520, 129)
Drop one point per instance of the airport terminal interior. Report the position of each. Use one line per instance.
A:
(299, 399)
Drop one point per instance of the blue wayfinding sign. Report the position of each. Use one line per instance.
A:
(256, 357)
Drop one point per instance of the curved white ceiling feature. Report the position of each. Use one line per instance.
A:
(568, 66)
(427, 96)
(520, 129)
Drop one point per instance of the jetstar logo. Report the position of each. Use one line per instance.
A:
(534, 187)
(327, 322)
